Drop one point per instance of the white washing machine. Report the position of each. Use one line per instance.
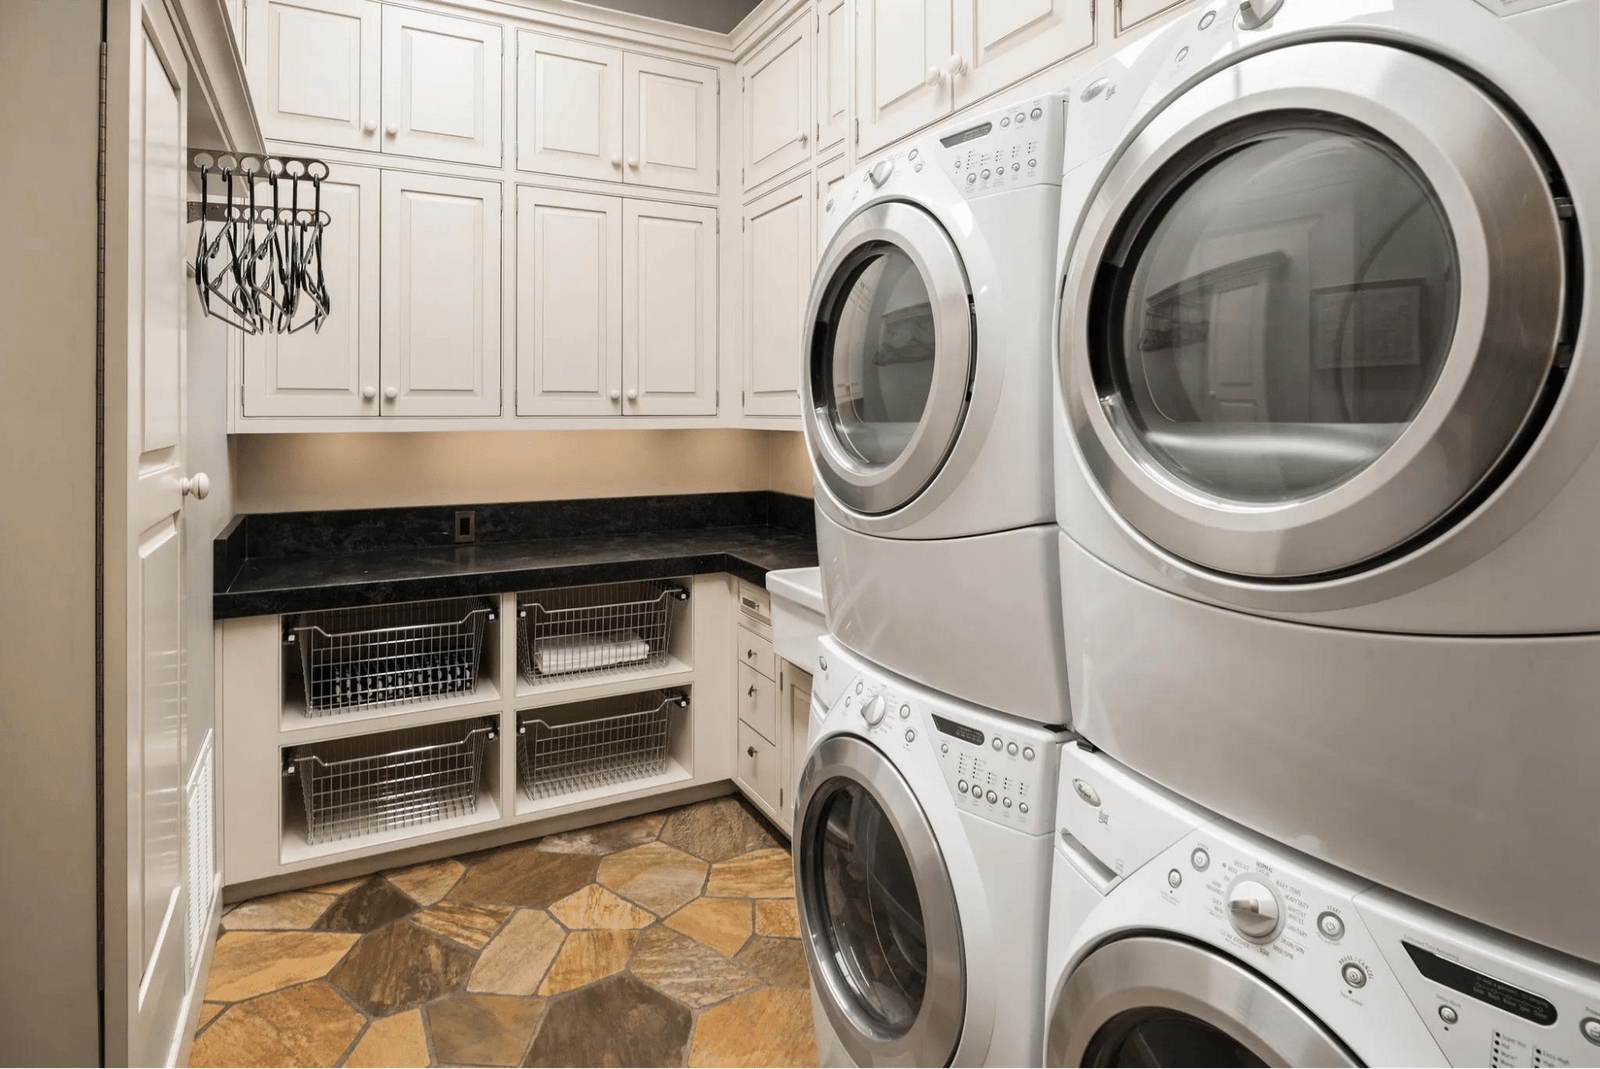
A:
(1328, 397)
(1177, 938)
(927, 410)
(922, 867)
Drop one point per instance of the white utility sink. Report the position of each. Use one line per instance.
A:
(798, 616)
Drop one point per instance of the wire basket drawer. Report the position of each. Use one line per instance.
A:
(626, 740)
(353, 787)
(390, 654)
(580, 630)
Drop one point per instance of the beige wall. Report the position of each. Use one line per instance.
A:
(49, 140)
(290, 472)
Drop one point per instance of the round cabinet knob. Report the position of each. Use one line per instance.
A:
(1253, 910)
(369, 392)
(873, 711)
(393, 129)
(391, 393)
(633, 395)
(935, 78)
(370, 126)
(199, 485)
(633, 161)
(958, 66)
(616, 161)
(616, 395)
(801, 137)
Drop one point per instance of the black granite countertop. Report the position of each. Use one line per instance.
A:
(309, 561)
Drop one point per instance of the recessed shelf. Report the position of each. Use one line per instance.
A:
(617, 680)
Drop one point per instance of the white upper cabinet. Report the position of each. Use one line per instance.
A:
(1132, 12)
(569, 303)
(904, 49)
(779, 256)
(334, 371)
(1000, 42)
(669, 328)
(441, 87)
(669, 123)
(315, 70)
(776, 83)
(440, 287)
(569, 107)
(831, 85)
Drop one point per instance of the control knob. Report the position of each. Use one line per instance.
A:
(1253, 911)
(873, 710)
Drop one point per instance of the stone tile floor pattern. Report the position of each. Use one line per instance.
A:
(669, 939)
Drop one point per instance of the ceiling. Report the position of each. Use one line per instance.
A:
(720, 16)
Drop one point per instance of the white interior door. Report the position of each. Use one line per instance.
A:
(315, 70)
(441, 87)
(145, 468)
(779, 254)
(1004, 41)
(569, 107)
(669, 120)
(669, 302)
(440, 286)
(898, 42)
(776, 83)
(334, 371)
(569, 303)
(832, 83)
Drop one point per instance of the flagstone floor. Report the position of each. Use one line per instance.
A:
(669, 939)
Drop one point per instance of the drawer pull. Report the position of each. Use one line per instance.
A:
(750, 654)
(751, 751)
(752, 691)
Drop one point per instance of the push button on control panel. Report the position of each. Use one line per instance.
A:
(1590, 1027)
(1200, 859)
(1448, 1015)
(1329, 924)
(1354, 975)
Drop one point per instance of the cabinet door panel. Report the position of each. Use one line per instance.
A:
(669, 306)
(569, 303)
(569, 108)
(779, 245)
(897, 42)
(669, 119)
(440, 296)
(315, 70)
(829, 176)
(760, 770)
(1004, 41)
(441, 87)
(777, 104)
(832, 85)
(323, 373)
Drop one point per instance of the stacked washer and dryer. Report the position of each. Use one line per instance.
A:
(923, 821)
(1327, 409)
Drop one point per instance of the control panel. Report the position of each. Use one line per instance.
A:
(1020, 146)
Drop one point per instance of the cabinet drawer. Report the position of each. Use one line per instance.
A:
(758, 767)
(754, 601)
(758, 701)
(756, 652)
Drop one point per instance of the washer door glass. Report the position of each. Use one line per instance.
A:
(882, 355)
(874, 924)
(1287, 312)
(1165, 1037)
(891, 348)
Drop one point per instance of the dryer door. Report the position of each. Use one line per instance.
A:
(877, 910)
(890, 346)
(1314, 312)
(1152, 1001)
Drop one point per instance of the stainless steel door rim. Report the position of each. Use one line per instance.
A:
(835, 763)
(1121, 981)
(859, 485)
(1491, 188)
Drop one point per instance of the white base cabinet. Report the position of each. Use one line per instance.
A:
(773, 701)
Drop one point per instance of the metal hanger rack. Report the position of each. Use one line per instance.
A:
(261, 269)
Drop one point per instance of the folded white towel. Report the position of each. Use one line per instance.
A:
(577, 653)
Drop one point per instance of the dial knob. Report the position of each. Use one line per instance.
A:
(874, 709)
(1253, 909)
(881, 171)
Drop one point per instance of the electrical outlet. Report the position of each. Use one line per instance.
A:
(466, 525)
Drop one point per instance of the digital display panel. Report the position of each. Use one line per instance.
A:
(1474, 984)
(961, 137)
(960, 731)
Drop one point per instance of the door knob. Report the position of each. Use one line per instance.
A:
(751, 750)
(199, 485)
(633, 161)
(370, 126)
(369, 392)
(633, 395)
(616, 395)
(393, 129)
(391, 393)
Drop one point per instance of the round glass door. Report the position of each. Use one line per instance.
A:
(1305, 328)
(891, 357)
(878, 915)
